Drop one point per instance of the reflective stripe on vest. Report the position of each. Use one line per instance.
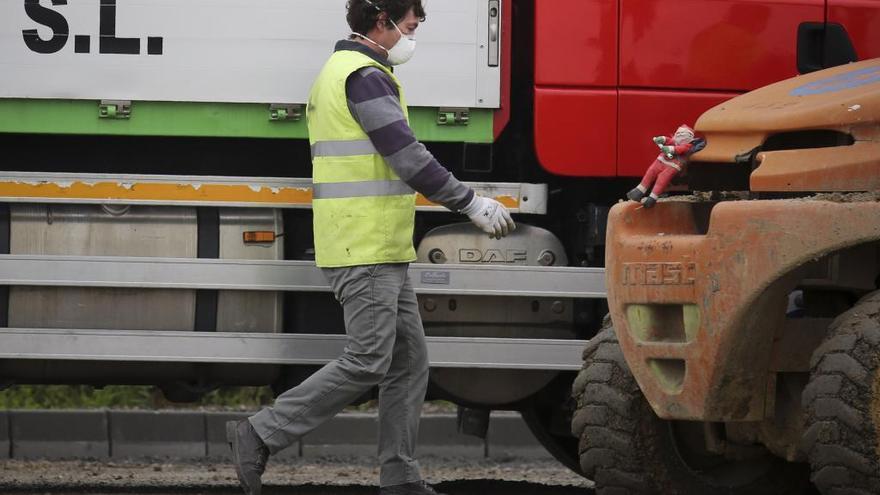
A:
(343, 148)
(363, 213)
(337, 190)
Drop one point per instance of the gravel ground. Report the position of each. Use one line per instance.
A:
(326, 475)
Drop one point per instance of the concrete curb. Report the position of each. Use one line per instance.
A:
(59, 435)
(196, 435)
(5, 445)
(140, 434)
(215, 436)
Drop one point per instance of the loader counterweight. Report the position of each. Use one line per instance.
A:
(698, 289)
(747, 320)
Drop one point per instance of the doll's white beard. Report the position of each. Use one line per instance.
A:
(682, 138)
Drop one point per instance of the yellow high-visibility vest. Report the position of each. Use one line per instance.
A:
(363, 213)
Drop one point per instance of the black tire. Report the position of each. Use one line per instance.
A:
(563, 448)
(842, 403)
(627, 450)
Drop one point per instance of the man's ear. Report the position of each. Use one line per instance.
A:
(382, 21)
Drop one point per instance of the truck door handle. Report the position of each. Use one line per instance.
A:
(810, 43)
(821, 45)
(494, 32)
(839, 49)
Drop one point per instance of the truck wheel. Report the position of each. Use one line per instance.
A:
(842, 403)
(627, 450)
(549, 417)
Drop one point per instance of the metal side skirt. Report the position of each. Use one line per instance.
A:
(249, 348)
(295, 276)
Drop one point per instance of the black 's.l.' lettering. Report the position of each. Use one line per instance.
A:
(49, 18)
(109, 42)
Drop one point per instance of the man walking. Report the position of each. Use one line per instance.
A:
(367, 165)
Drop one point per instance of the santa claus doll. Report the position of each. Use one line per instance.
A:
(675, 152)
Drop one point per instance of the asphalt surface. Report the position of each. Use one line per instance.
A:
(337, 475)
(123, 452)
(470, 487)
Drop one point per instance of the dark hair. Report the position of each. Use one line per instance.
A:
(362, 14)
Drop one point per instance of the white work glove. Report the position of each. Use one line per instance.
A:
(490, 216)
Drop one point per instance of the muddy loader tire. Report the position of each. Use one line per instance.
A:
(627, 450)
(842, 404)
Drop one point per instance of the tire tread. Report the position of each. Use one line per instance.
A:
(839, 438)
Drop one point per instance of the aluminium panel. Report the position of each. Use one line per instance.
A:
(225, 51)
(90, 230)
(248, 311)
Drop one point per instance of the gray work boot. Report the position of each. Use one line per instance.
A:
(635, 195)
(249, 455)
(417, 488)
(649, 202)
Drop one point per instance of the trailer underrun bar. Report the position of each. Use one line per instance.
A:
(295, 276)
(267, 348)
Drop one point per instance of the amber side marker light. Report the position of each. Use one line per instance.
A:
(259, 237)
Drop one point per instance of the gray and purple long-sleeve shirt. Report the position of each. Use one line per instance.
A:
(375, 104)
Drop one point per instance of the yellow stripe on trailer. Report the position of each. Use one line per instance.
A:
(166, 193)
(28, 187)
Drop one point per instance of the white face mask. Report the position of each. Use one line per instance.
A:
(403, 50)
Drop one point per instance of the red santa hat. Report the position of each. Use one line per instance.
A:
(685, 129)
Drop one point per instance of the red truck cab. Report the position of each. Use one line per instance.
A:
(610, 74)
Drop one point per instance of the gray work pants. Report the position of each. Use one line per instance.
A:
(386, 347)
